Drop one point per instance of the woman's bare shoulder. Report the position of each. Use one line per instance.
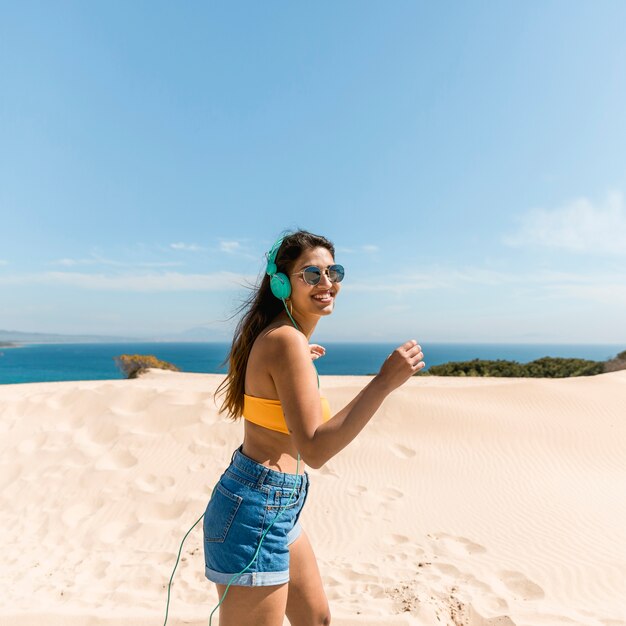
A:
(280, 339)
(280, 345)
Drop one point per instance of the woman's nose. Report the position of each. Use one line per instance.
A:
(325, 278)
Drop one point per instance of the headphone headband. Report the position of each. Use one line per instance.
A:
(271, 257)
(279, 282)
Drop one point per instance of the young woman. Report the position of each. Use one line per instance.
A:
(255, 549)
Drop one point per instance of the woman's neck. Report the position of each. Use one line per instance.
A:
(305, 324)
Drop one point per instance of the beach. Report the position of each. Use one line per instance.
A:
(465, 501)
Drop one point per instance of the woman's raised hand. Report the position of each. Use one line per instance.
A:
(316, 350)
(401, 364)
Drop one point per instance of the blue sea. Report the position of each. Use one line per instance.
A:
(83, 361)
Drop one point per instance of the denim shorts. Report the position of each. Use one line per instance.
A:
(246, 500)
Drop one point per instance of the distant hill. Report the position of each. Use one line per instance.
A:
(199, 333)
(17, 336)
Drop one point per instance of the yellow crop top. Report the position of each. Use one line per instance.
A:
(269, 413)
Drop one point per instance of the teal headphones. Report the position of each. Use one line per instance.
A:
(279, 282)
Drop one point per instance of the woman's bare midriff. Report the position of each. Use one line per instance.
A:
(270, 448)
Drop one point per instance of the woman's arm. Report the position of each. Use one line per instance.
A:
(296, 385)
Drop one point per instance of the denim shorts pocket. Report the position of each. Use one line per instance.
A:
(287, 498)
(220, 513)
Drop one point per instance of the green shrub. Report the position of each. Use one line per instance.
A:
(546, 367)
(133, 365)
(618, 363)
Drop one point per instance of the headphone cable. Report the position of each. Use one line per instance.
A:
(246, 567)
(175, 566)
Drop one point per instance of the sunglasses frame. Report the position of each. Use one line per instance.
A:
(325, 271)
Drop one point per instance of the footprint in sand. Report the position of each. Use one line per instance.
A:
(459, 546)
(161, 511)
(500, 620)
(325, 470)
(57, 442)
(356, 490)
(8, 474)
(152, 483)
(28, 446)
(493, 602)
(197, 466)
(115, 531)
(521, 586)
(73, 515)
(448, 569)
(101, 433)
(99, 570)
(391, 493)
(401, 451)
(358, 573)
(76, 458)
(482, 587)
(395, 540)
(403, 550)
(162, 558)
(119, 459)
(203, 442)
(170, 424)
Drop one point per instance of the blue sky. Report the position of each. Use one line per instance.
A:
(467, 159)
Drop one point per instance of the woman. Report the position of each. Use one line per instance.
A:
(255, 549)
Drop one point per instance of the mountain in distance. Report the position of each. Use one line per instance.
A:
(17, 336)
(196, 334)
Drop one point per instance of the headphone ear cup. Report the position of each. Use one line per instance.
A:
(280, 286)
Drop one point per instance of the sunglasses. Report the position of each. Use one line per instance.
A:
(313, 274)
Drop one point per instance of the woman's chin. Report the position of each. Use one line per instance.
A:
(328, 309)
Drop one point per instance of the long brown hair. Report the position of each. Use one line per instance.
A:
(258, 311)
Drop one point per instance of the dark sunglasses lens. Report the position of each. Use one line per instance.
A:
(335, 273)
(312, 275)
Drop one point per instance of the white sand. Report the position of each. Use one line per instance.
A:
(464, 501)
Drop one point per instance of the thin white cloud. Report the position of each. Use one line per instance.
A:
(370, 248)
(606, 288)
(433, 278)
(187, 247)
(156, 264)
(143, 282)
(230, 246)
(99, 260)
(611, 292)
(3, 262)
(72, 262)
(94, 259)
(580, 226)
(238, 248)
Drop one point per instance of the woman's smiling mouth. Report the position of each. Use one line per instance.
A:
(326, 296)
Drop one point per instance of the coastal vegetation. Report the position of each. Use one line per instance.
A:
(546, 367)
(133, 365)
(618, 363)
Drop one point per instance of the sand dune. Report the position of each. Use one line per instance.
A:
(465, 501)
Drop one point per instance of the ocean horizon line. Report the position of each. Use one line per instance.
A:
(60, 361)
